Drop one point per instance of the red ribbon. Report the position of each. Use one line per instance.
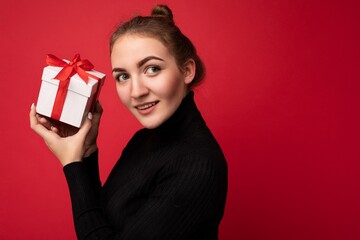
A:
(76, 65)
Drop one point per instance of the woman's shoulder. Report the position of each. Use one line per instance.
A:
(137, 139)
(199, 145)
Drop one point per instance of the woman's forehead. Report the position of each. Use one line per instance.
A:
(132, 47)
(138, 41)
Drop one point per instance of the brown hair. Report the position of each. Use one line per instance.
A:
(160, 25)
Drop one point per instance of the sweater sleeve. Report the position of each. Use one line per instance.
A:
(188, 193)
(84, 187)
(91, 165)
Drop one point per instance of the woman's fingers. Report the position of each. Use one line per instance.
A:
(38, 127)
(54, 129)
(85, 127)
(98, 110)
(66, 143)
(44, 121)
(34, 119)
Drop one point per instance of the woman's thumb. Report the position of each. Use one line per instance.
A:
(86, 126)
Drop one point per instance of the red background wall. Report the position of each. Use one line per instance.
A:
(281, 96)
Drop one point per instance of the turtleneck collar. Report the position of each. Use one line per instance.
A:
(182, 118)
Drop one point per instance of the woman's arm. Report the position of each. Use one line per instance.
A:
(91, 165)
(187, 203)
(76, 149)
(89, 218)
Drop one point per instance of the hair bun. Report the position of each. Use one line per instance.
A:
(162, 11)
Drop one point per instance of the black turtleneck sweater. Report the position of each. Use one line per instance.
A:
(169, 183)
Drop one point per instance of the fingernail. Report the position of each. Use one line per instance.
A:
(32, 106)
(89, 115)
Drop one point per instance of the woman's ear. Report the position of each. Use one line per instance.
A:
(189, 71)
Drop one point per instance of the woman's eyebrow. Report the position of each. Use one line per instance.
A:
(143, 61)
(139, 64)
(118, 70)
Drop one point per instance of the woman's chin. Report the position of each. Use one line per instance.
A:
(151, 122)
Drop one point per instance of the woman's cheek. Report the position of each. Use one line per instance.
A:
(122, 93)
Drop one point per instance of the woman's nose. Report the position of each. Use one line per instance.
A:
(138, 88)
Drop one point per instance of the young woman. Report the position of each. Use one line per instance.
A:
(171, 179)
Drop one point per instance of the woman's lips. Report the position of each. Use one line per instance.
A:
(146, 108)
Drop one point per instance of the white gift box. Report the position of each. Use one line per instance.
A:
(79, 99)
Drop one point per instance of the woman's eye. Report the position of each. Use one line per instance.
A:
(122, 77)
(152, 69)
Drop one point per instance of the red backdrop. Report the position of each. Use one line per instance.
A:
(281, 97)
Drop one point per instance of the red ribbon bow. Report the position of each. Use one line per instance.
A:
(76, 65)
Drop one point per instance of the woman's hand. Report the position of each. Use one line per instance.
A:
(90, 142)
(68, 144)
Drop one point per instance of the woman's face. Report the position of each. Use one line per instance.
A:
(148, 80)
